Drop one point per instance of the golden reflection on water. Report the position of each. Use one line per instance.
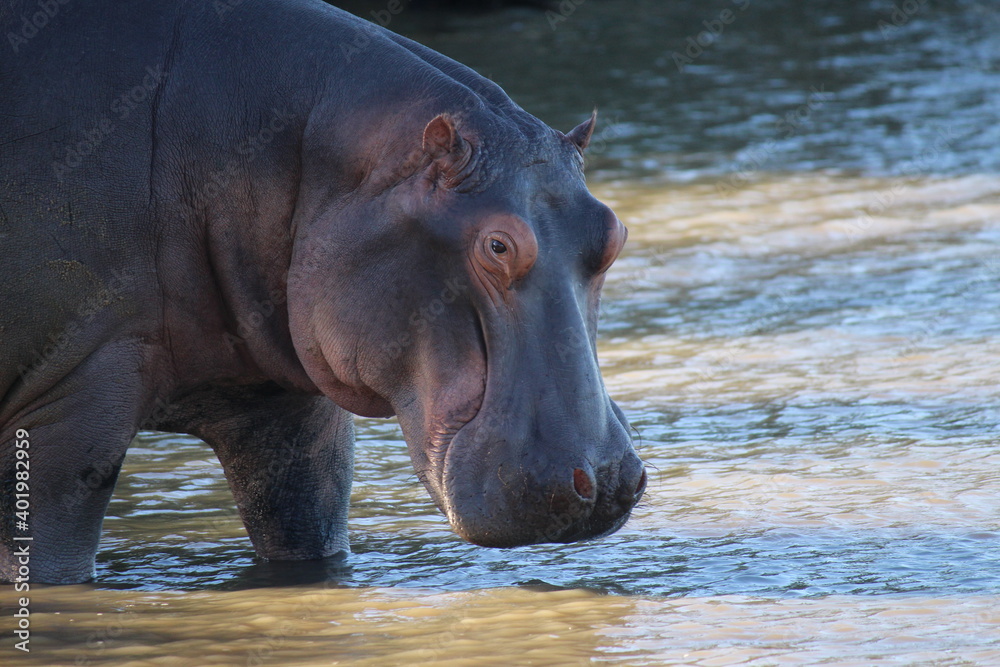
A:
(285, 626)
(813, 213)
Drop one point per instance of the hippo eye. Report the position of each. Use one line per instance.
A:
(505, 254)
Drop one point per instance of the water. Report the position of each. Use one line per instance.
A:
(803, 329)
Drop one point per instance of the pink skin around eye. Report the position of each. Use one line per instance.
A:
(520, 246)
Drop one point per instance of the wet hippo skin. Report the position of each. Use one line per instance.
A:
(227, 224)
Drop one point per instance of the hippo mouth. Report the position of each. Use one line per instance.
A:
(444, 430)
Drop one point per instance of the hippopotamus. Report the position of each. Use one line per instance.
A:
(246, 221)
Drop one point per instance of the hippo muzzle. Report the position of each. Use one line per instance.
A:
(499, 491)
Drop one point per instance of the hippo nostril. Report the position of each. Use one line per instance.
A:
(583, 483)
(641, 486)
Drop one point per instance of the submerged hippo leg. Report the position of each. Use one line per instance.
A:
(67, 488)
(289, 459)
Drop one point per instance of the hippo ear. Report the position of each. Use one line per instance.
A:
(581, 134)
(447, 148)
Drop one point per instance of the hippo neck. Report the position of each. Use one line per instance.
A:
(236, 202)
(249, 240)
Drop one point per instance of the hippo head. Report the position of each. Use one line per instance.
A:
(453, 279)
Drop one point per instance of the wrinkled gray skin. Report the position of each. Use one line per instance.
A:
(245, 225)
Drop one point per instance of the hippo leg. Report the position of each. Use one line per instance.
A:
(78, 432)
(289, 460)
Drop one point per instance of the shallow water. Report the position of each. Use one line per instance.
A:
(803, 330)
